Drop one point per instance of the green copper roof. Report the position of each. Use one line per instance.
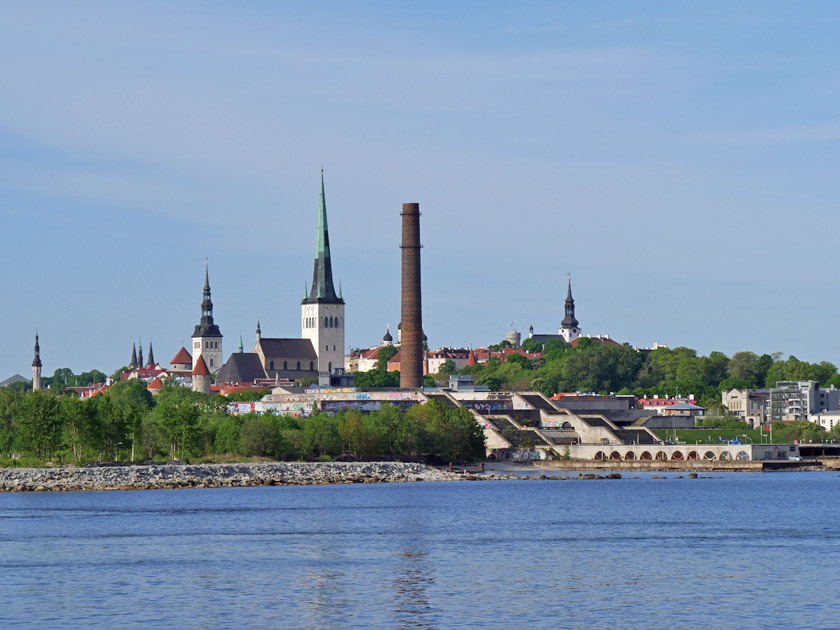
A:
(323, 289)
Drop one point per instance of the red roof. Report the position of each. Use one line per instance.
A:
(471, 358)
(183, 357)
(238, 389)
(155, 384)
(200, 368)
(603, 340)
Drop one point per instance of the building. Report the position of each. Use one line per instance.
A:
(458, 356)
(207, 338)
(794, 401)
(569, 326)
(658, 405)
(322, 311)
(36, 365)
(750, 405)
(826, 419)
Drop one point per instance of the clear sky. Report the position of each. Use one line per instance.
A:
(678, 159)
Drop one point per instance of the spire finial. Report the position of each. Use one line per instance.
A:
(241, 349)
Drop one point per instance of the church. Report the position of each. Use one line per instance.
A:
(319, 352)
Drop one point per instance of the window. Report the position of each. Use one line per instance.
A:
(211, 362)
(311, 365)
(285, 365)
(326, 348)
(298, 367)
(271, 365)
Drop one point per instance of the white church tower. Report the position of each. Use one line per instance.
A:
(322, 311)
(569, 326)
(207, 339)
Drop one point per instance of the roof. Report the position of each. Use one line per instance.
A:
(240, 388)
(241, 367)
(200, 368)
(182, 357)
(684, 406)
(323, 289)
(286, 348)
(604, 340)
(155, 384)
(17, 378)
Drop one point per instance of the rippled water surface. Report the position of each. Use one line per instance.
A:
(731, 551)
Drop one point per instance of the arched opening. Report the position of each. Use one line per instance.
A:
(677, 455)
(311, 365)
(298, 365)
(742, 456)
(271, 365)
(285, 365)
(629, 455)
(709, 455)
(692, 455)
(329, 367)
(567, 425)
(726, 456)
(615, 455)
(661, 456)
(600, 455)
(646, 455)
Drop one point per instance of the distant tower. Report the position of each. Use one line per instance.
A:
(36, 365)
(387, 339)
(133, 363)
(322, 311)
(140, 354)
(207, 339)
(569, 326)
(259, 334)
(151, 355)
(201, 377)
(531, 331)
(411, 326)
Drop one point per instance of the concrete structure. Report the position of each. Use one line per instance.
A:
(794, 401)
(513, 337)
(411, 325)
(322, 311)
(36, 366)
(621, 410)
(207, 338)
(750, 405)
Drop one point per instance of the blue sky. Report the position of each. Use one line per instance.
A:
(679, 160)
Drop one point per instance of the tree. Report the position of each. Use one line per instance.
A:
(532, 346)
(259, 437)
(40, 423)
(385, 354)
(362, 435)
(134, 401)
(321, 436)
(447, 367)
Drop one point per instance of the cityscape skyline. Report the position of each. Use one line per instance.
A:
(677, 161)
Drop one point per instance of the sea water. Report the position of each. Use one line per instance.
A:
(725, 551)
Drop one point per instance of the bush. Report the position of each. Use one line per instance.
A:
(259, 436)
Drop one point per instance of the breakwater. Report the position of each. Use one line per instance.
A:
(171, 476)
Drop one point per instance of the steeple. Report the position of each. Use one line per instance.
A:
(241, 349)
(151, 355)
(207, 328)
(569, 320)
(258, 330)
(133, 363)
(140, 354)
(36, 365)
(322, 290)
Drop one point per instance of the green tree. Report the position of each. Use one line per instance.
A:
(362, 435)
(385, 355)
(531, 345)
(259, 436)
(447, 367)
(321, 435)
(40, 424)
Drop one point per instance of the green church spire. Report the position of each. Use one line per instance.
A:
(323, 289)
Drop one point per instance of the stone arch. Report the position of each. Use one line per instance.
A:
(600, 455)
(692, 455)
(725, 456)
(709, 455)
(567, 425)
(661, 456)
(742, 456)
(677, 455)
(629, 455)
(646, 455)
(615, 455)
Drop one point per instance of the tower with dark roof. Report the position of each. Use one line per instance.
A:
(387, 339)
(569, 326)
(36, 365)
(322, 311)
(140, 354)
(151, 362)
(207, 338)
(133, 363)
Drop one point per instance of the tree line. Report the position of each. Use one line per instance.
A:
(127, 423)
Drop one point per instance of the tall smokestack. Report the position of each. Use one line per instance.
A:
(411, 346)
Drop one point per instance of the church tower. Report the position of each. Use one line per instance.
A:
(36, 366)
(569, 326)
(207, 339)
(322, 311)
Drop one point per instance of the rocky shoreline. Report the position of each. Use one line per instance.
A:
(171, 476)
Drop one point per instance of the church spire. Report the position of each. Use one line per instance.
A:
(206, 328)
(133, 363)
(323, 289)
(151, 355)
(36, 365)
(569, 320)
(140, 354)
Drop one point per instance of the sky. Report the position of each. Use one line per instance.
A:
(677, 160)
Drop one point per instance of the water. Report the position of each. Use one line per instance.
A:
(732, 551)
